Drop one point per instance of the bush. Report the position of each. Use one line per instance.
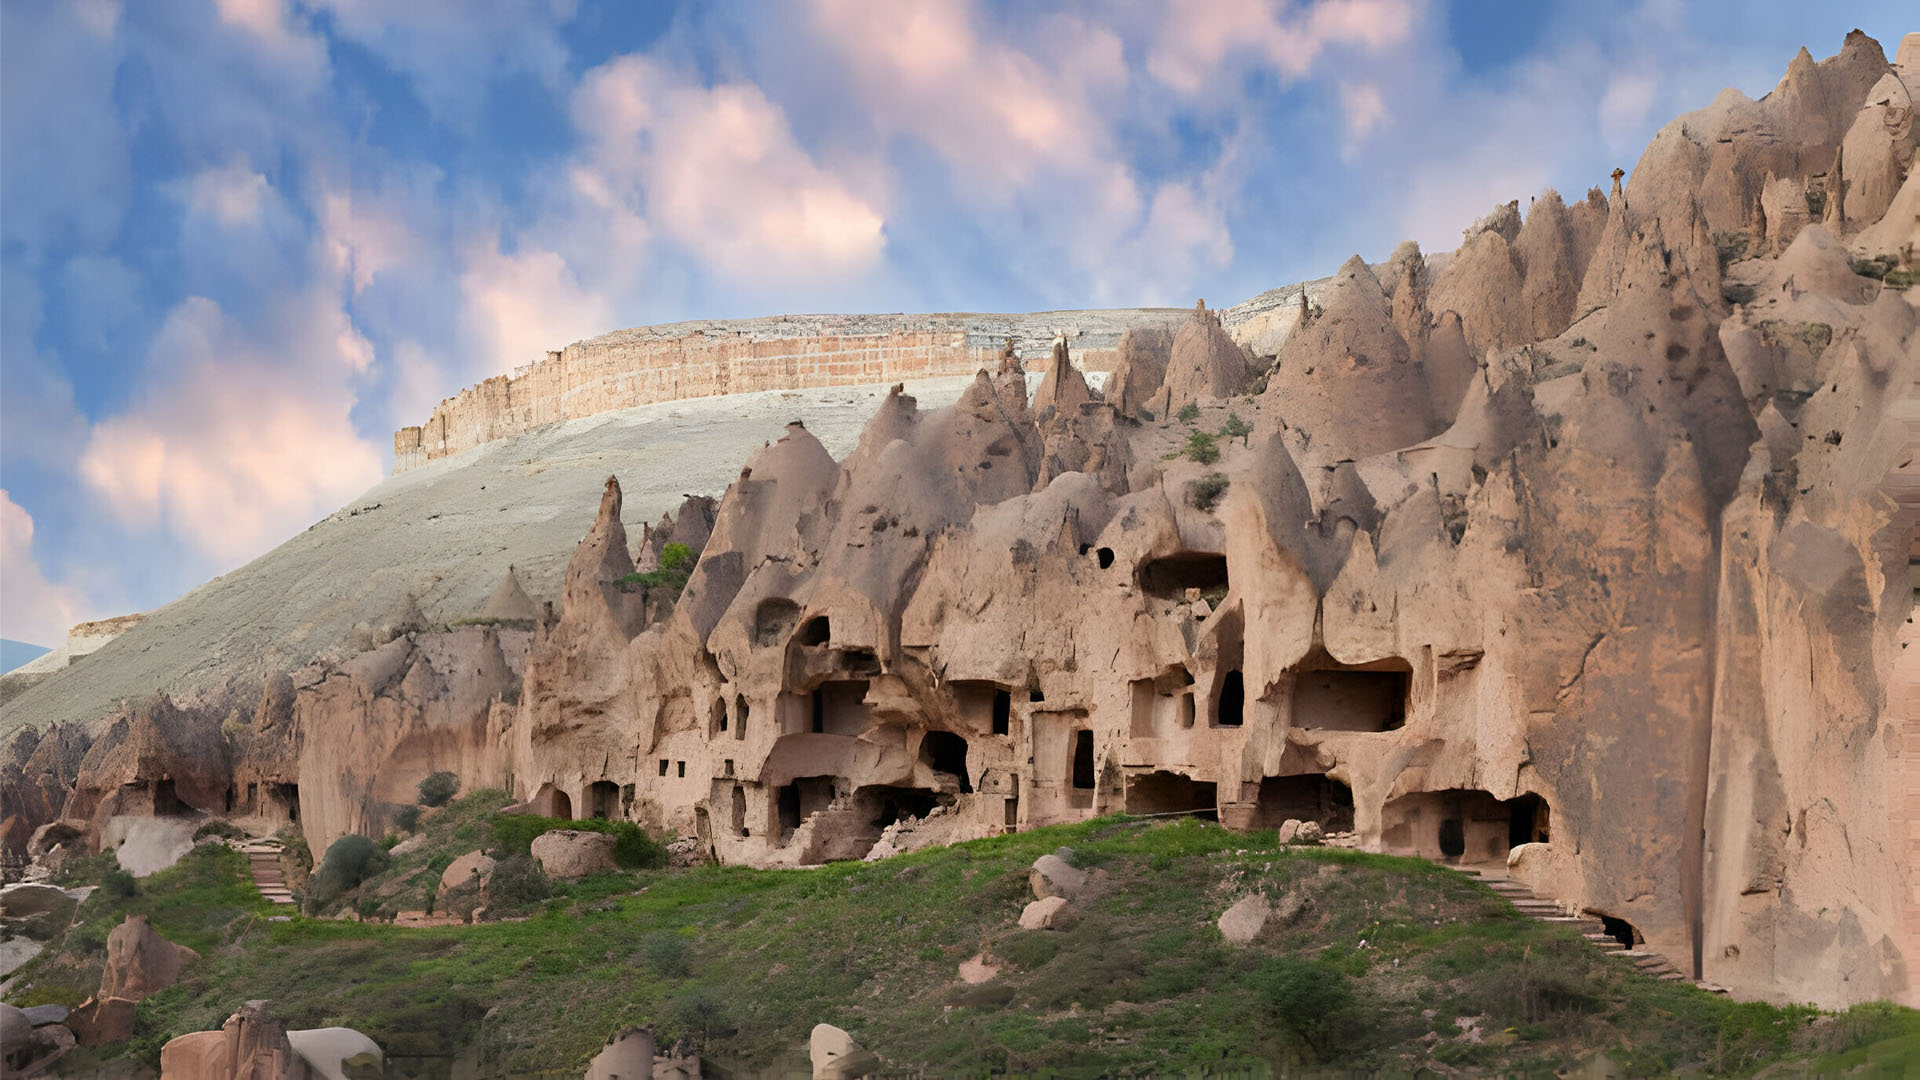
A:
(1188, 413)
(633, 849)
(518, 885)
(676, 566)
(437, 789)
(346, 864)
(1201, 448)
(667, 954)
(1236, 428)
(701, 1017)
(1313, 1001)
(119, 884)
(1205, 493)
(406, 818)
(225, 830)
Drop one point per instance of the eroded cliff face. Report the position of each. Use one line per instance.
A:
(1587, 556)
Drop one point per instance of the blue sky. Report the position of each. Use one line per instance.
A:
(243, 240)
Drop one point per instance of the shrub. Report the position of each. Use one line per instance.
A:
(1201, 448)
(517, 885)
(1188, 413)
(676, 566)
(1236, 428)
(667, 954)
(1204, 493)
(633, 849)
(1313, 1001)
(225, 830)
(1816, 203)
(406, 818)
(345, 865)
(701, 1017)
(437, 789)
(119, 884)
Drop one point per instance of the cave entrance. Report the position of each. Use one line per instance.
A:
(840, 708)
(603, 800)
(1172, 793)
(1170, 576)
(800, 800)
(1162, 705)
(1083, 760)
(773, 620)
(1230, 706)
(886, 805)
(945, 752)
(1314, 797)
(987, 706)
(285, 798)
(1526, 820)
(1620, 930)
(1002, 720)
(740, 713)
(739, 820)
(816, 631)
(551, 802)
(1330, 696)
(166, 803)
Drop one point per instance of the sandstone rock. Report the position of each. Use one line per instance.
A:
(473, 867)
(1063, 389)
(251, 1045)
(1243, 921)
(1052, 875)
(509, 603)
(629, 1053)
(140, 962)
(337, 1053)
(101, 1021)
(28, 899)
(1205, 363)
(1040, 914)
(836, 1056)
(15, 1028)
(571, 854)
(975, 969)
(39, 1015)
(15, 952)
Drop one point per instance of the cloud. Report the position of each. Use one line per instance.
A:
(1197, 38)
(37, 610)
(1364, 110)
(236, 448)
(519, 306)
(230, 195)
(718, 171)
(1624, 108)
(451, 49)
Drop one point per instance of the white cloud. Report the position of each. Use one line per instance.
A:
(36, 610)
(1197, 38)
(519, 306)
(1363, 110)
(718, 171)
(451, 48)
(1624, 108)
(237, 448)
(230, 195)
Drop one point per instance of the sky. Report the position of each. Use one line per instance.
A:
(242, 241)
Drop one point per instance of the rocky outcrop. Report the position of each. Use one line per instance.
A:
(252, 1045)
(156, 759)
(571, 854)
(1205, 364)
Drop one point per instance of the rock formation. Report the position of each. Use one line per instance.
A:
(1587, 540)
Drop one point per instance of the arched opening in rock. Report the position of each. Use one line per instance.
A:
(987, 706)
(1314, 797)
(773, 619)
(1527, 820)
(1461, 825)
(1104, 556)
(1620, 930)
(603, 800)
(166, 803)
(740, 713)
(800, 800)
(816, 631)
(839, 708)
(718, 716)
(883, 806)
(946, 752)
(1002, 712)
(1331, 696)
(1162, 704)
(284, 798)
(1172, 793)
(1231, 703)
(551, 802)
(1083, 775)
(233, 796)
(1170, 576)
(739, 817)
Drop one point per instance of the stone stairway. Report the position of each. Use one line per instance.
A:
(263, 865)
(1590, 928)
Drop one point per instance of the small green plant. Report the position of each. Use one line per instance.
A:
(1236, 428)
(667, 954)
(1205, 493)
(1201, 448)
(1188, 413)
(437, 789)
(119, 885)
(1730, 247)
(1816, 203)
(347, 863)
(676, 566)
(1313, 1001)
(1144, 413)
(1902, 279)
(224, 830)
(406, 818)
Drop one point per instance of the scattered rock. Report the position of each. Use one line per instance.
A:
(21, 901)
(1245, 919)
(975, 970)
(338, 1053)
(39, 1015)
(1052, 875)
(473, 866)
(140, 962)
(571, 854)
(1040, 914)
(836, 1056)
(100, 1021)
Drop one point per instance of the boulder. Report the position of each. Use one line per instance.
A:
(251, 1045)
(15, 1028)
(1301, 832)
(628, 1054)
(1245, 919)
(338, 1053)
(102, 1020)
(474, 866)
(571, 854)
(836, 1056)
(1040, 914)
(140, 961)
(40, 1015)
(21, 901)
(1052, 875)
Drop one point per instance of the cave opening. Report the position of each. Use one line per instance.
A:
(839, 707)
(719, 714)
(1333, 697)
(603, 800)
(1526, 820)
(740, 713)
(1083, 760)
(796, 802)
(816, 631)
(1620, 930)
(772, 619)
(551, 802)
(1452, 838)
(286, 797)
(1463, 824)
(1231, 705)
(1172, 793)
(893, 804)
(1002, 712)
(946, 752)
(1170, 576)
(739, 810)
(1314, 797)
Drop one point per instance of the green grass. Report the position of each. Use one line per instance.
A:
(1381, 957)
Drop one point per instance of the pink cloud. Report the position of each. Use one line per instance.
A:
(1197, 38)
(36, 610)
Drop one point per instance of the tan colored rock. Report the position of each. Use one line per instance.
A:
(1243, 921)
(975, 970)
(1063, 389)
(836, 1056)
(1041, 914)
(102, 1021)
(1052, 875)
(571, 854)
(1205, 363)
(509, 603)
(628, 1054)
(140, 962)
(1139, 370)
(475, 867)
(337, 1053)
(251, 1045)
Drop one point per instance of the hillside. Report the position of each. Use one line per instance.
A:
(1372, 962)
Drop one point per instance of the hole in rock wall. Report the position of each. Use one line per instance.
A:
(1002, 712)
(1526, 820)
(739, 819)
(719, 716)
(1620, 930)
(795, 802)
(233, 795)
(1170, 576)
(1452, 838)
(1186, 708)
(773, 619)
(839, 708)
(1172, 793)
(1314, 797)
(1161, 704)
(1083, 760)
(1341, 698)
(740, 712)
(1229, 709)
(1035, 696)
(551, 802)
(1011, 805)
(165, 802)
(945, 752)
(883, 806)
(817, 631)
(285, 798)
(1105, 557)
(603, 800)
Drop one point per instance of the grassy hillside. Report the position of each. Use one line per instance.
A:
(1388, 964)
